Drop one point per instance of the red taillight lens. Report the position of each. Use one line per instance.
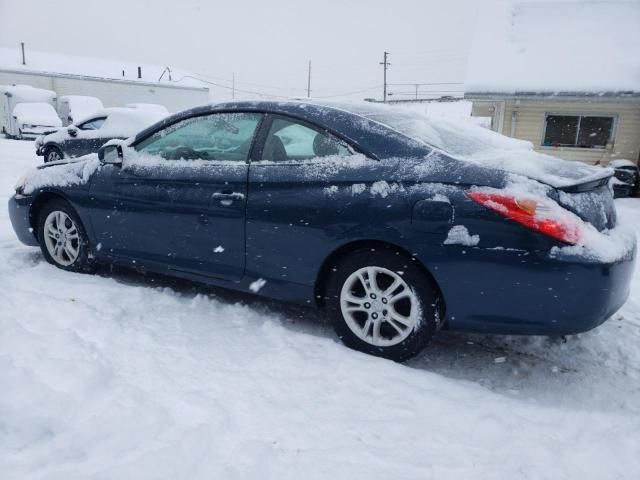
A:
(544, 216)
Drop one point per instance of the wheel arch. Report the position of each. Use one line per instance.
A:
(346, 249)
(50, 145)
(36, 206)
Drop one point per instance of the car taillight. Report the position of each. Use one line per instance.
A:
(542, 215)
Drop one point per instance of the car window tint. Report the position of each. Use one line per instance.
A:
(221, 136)
(291, 141)
(94, 124)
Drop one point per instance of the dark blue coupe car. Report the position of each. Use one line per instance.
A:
(397, 225)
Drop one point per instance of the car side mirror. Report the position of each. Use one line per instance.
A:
(72, 131)
(111, 154)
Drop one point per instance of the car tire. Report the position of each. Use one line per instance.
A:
(52, 154)
(62, 237)
(393, 317)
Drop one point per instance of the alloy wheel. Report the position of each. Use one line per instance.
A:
(379, 307)
(62, 238)
(53, 156)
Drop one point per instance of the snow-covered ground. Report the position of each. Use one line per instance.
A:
(121, 376)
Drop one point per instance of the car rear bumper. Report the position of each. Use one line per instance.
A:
(522, 293)
(19, 207)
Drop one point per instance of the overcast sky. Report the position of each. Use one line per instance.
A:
(266, 44)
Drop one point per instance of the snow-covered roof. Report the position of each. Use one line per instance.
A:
(63, 64)
(547, 46)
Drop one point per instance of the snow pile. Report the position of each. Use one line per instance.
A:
(459, 235)
(37, 113)
(555, 46)
(61, 175)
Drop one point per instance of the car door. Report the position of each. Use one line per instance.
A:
(179, 198)
(303, 187)
(88, 138)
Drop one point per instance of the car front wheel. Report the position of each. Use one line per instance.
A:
(63, 240)
(52, 154)
(380, 302)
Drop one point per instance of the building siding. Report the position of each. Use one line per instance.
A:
(530, 123)
(113, 93)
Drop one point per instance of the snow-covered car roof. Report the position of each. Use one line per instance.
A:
(27, 93)
(81, 106)
(124, 121)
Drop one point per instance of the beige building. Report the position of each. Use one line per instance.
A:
(575, 126)
(569, 82)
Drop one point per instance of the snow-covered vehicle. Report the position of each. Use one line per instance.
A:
(72, 108)
(92, 132)
(395, 223)
(25, 121)
(35, 119)
(626, 180)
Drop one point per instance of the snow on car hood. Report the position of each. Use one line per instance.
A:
(41, 114)
(59, 174)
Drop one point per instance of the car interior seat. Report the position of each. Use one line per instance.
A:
(274, 150)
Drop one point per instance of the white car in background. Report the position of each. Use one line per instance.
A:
(35, 119)
(72, 108)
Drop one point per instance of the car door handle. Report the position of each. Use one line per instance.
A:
(228, 196)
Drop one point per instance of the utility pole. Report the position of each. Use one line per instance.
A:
(386, 65)
(233, 85)
(417, 85)
(309, 81)
(24, 62)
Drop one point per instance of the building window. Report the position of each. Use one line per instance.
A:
(579, 131)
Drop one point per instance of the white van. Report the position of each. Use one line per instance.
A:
(72, 108)
(12, 122)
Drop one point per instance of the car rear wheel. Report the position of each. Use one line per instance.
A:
(62, 237)
(380, 302)
(52, 154)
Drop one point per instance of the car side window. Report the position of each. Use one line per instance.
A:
(291, 141)
(93, 124)
(219, 136)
